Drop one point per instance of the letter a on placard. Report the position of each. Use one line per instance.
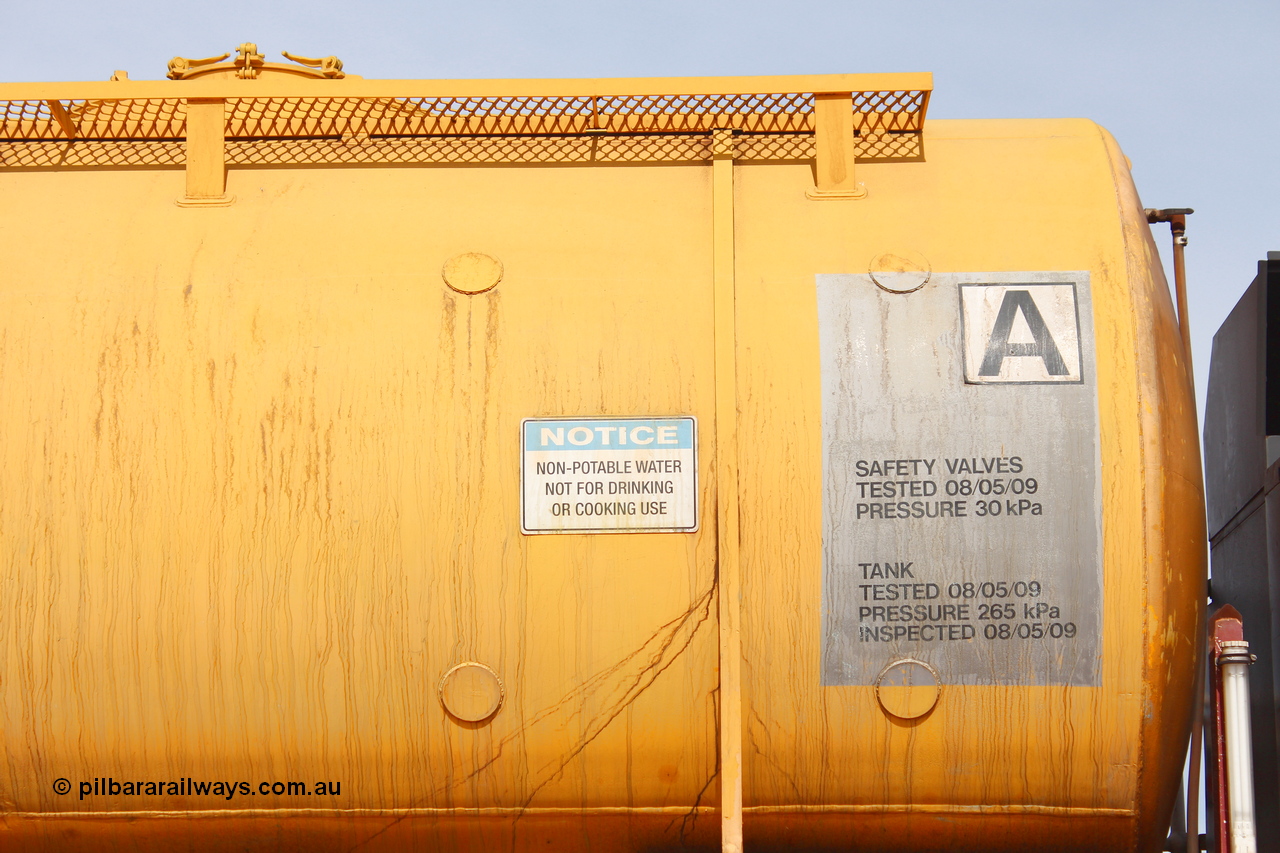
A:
(999, 348)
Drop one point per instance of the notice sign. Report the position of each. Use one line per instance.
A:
(609, 475)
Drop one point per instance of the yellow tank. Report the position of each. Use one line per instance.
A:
(567, 465)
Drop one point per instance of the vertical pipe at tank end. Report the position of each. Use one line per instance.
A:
(1179, 226)
(1177, 219)
(728, 579)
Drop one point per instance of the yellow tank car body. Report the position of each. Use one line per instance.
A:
(567, 465)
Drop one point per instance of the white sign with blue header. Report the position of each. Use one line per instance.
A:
(609, 475)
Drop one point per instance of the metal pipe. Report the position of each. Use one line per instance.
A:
(1226, 625)
(1234, 661)
(1179, 227)
(1177, 825)
(1177, 219)
(1193, 769)
(1221, 824)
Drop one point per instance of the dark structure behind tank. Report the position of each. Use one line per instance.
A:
(1242, 471)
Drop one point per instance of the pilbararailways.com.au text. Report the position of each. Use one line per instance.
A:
(187, 787)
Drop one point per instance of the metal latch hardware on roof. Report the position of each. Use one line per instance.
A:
(249, 65)
(206, 117)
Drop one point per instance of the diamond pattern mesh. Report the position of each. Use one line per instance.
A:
(29, 120)
(576, 128)
(149, 119)
(889, 112)
(85, 153)
(622, 148)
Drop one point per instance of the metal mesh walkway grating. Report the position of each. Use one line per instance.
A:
(887, 125)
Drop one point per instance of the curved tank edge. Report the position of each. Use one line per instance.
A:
(1176, 555)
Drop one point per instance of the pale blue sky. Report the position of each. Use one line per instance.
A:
(1189, 89)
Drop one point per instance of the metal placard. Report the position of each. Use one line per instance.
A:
(961, 490)
(609, 475)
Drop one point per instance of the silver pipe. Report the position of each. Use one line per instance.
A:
(1234, 660)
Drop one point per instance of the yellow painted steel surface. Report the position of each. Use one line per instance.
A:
(260, 481)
